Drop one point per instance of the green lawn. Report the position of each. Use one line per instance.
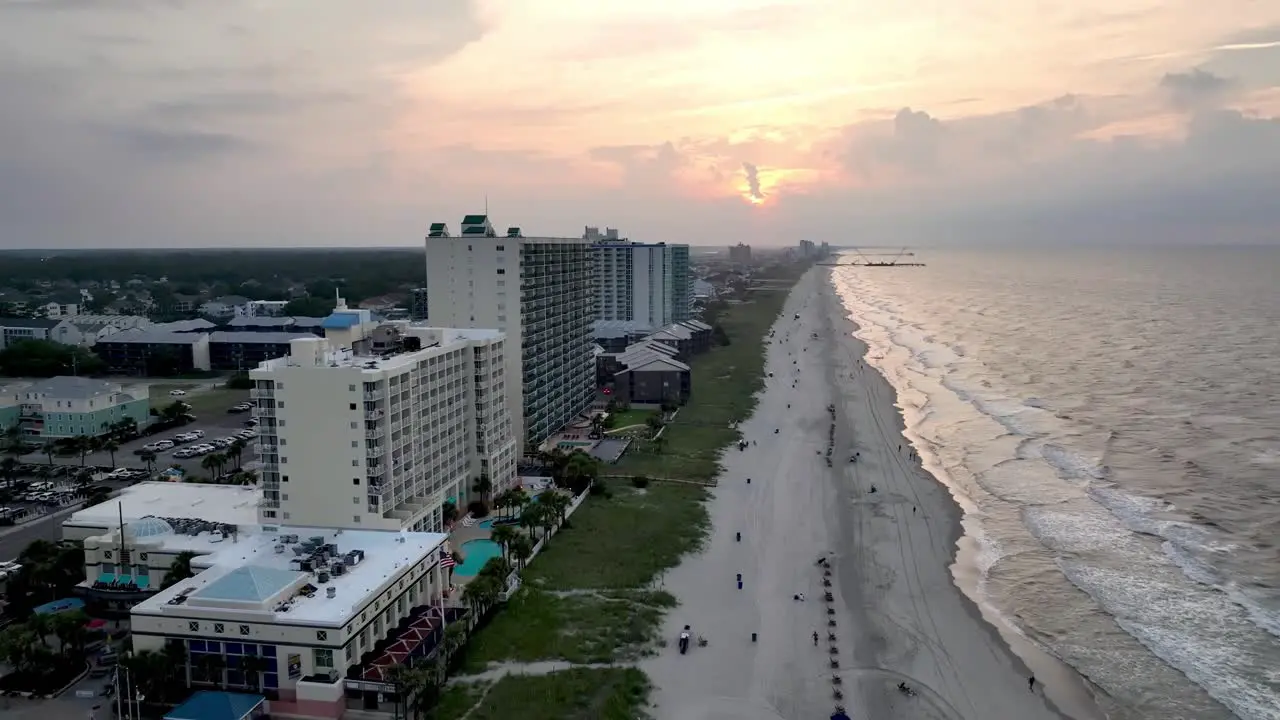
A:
(537, 625)
(633, 416)
(624, 540)
(606, 557)
(205, 404)
(575, 694)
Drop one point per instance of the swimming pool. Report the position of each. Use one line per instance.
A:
(475, 554)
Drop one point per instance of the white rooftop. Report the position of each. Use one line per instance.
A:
(257, 574)
(319, 352)
(230, 504)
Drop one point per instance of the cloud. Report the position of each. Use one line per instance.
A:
(753, 182)
(1196, 89)
(167, 145)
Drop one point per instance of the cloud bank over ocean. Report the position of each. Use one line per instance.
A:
(163, 123)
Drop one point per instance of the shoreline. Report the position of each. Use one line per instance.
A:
(1070, 693)
(900, 613)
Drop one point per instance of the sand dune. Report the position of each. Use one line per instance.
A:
(897, 611)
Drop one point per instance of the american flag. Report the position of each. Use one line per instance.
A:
(446, 560)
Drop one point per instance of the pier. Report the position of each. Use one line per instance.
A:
(864, 259)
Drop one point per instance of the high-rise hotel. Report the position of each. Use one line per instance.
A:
(398, 417)
(538, 291)
(647, 284)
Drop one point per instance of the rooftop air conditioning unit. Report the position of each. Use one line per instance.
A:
(331, 592)
(322, 577)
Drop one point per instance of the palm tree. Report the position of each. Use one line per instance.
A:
(83, 445)
(419, 686)
(557, 505)
(49, 448)
(69, 628)
(481, 593)
(530, 520)
(236, 450)
(111, 446)
(13, 442)
(483, 485)
(253, 667)
(521, 548)
(519, 499)
(9, 471)
(504, 535)
(175, 656)
(210, 462)
(211, 668)
(148, 457)
(179, 569)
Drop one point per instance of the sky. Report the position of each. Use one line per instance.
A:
(249, 123)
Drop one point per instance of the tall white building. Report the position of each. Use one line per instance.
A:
(539, 292)
(648, 284)
(399, 417)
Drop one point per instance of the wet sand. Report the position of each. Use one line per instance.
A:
(898, 613)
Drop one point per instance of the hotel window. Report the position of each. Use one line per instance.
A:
(322, 659)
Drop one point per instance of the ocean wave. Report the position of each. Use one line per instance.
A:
(1169, 595)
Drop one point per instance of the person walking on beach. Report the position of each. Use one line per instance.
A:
(1031, 684)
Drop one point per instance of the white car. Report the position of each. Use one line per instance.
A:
(248, 434)
(118, 473)
(177, 393)
(165, 445)
(196, 433)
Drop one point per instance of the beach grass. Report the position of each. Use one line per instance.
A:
(624, 540)
(589, 597)
(580, 628)
(574, 694)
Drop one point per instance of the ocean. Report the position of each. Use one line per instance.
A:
(1110, 418)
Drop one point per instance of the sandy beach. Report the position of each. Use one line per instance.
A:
(896, 613)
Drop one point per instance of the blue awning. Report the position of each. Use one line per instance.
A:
(58, 606)
(210, 705)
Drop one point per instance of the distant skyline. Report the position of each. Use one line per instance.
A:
(176, 123)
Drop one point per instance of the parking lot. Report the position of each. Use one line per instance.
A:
(209, 405)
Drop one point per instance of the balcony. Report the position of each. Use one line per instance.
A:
(373, 395)
(374, 415)
(375, 433)
(257, 394)
(264, 412)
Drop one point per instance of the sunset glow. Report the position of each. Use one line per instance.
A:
(817, 110)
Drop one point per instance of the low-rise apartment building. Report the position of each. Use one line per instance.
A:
(152, 352)
(64, 407)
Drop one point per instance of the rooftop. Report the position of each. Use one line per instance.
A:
(230, 504)
(155, 336)
(17, 322)
(280, 575)
(655, 364)
(432, 340)
(182, 326)
(342, 320)
(259, 321)
(260, 338)
(74, 388)
(619, 328)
